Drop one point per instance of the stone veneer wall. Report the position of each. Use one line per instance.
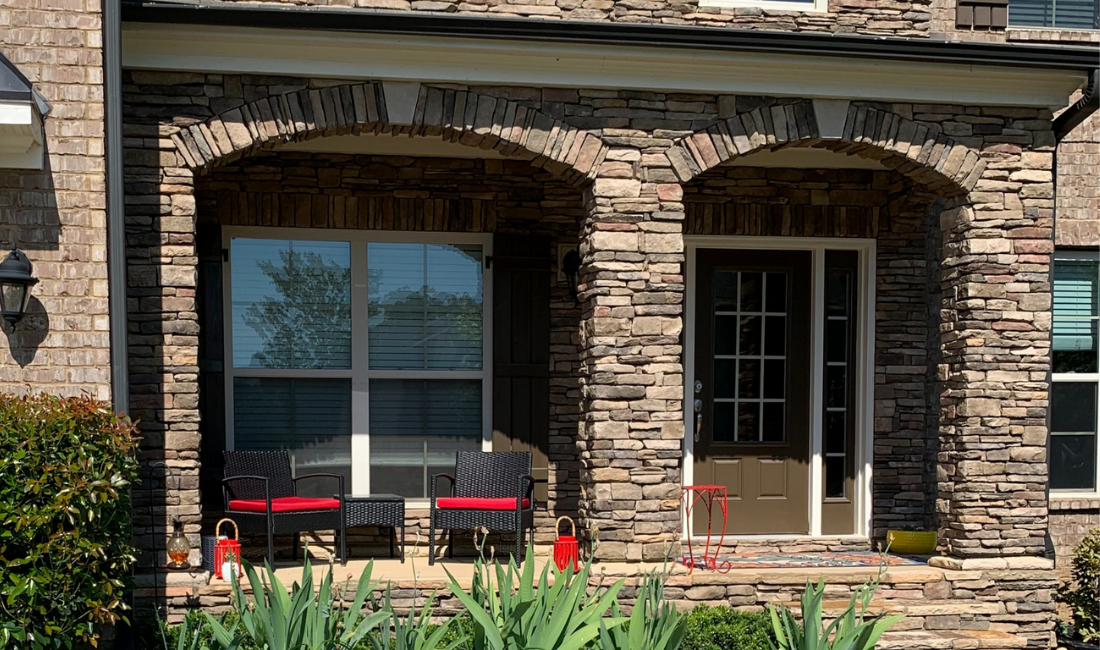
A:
(57, 215)
(880, 17)
(314, 190)
(995, 608)
(632, 152)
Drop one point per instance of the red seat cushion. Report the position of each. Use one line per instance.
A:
(479, 503)
(284, 504)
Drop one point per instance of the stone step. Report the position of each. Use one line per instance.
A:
(950, 640)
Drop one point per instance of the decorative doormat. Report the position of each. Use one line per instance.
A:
(813, 560)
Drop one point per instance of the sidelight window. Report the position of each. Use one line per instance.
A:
(840, 371)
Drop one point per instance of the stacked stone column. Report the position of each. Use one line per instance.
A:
(995, 330)
(632, 430)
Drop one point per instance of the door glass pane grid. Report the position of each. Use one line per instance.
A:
(750, 337)
(839, 359)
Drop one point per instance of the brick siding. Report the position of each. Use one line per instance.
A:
(57, 215)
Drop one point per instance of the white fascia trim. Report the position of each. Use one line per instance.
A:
(435, 59)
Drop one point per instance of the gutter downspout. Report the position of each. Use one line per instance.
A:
(1081, 109)
(116, 242)
(116, 216)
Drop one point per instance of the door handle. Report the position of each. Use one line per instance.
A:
(698, 418)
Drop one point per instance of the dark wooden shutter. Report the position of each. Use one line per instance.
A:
(208, 298)
(521, 350)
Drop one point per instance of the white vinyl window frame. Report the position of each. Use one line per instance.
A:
(360, 373)
(1076, 378)
(864, 365)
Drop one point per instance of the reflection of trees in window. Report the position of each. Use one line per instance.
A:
(431, 329)
(307, 322)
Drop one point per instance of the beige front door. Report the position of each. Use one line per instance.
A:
(752, 386)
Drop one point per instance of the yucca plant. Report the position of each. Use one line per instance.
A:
(411, 632)
(510, 612)
(852, 630)
(303, 619)
(653, 625)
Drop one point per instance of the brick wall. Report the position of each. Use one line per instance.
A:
(1079, 186)
(1070, 521)
(57, 215)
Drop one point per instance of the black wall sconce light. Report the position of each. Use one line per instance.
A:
(570, 266)
(16, 280)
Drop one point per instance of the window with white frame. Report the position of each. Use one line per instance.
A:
(364, 357)
(1076, 372)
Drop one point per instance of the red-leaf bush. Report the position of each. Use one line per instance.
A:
(66, 466)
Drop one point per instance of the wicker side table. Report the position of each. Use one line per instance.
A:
(378, 510)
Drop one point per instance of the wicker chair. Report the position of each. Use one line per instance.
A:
(493, 490)
(261, 497)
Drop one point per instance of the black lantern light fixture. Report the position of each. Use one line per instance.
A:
(16, 280)
(570, 265)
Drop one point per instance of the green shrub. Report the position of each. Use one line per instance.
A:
(724, 628)
(66, 466)
(1082, 595)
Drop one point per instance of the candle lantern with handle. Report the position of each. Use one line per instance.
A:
(566, 549)
(227, 552)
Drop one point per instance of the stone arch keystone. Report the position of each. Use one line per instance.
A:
(398, 108)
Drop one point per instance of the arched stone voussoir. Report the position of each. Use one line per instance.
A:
(408, 109)
(920, 151)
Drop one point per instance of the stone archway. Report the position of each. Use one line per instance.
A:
(919, 151)
(410, 109)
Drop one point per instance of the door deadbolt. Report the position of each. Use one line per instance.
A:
(698, 386)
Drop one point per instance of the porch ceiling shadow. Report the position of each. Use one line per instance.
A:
(397, 109)
(919, 151)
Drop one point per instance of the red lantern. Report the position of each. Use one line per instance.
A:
(566, 549)
(227, 553)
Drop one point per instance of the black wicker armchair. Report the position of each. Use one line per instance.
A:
(492, 490)
(261, 497)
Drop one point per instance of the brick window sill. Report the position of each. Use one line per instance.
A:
(1068, 503)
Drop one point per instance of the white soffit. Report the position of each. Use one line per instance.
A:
(438, 59)
(21, 113)
(388, 145)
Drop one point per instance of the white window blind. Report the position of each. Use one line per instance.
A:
(310, 418)
(416, 428)
(425, 306)
(1066, 14)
